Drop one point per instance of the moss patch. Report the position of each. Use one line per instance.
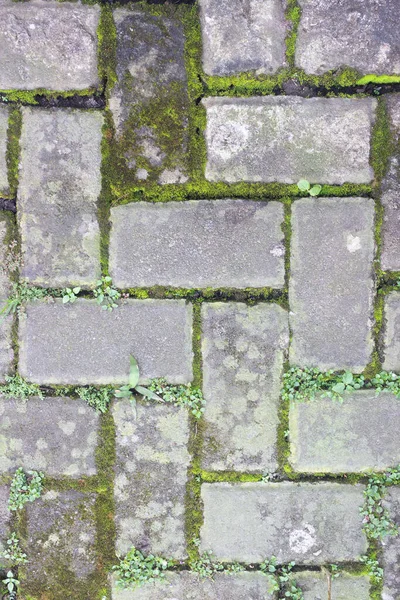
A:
(13, 149)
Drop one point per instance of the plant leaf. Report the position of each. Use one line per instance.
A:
(76, 290)
(338, 388)
(65, 299)
(347, 378)
(133, 372)
(303, 185)
(315, 190)
(147, 393)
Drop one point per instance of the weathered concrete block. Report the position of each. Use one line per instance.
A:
(331, 284)
(233, 243)
(241, 36)
(82, 344)
(60, 183)
(56, 435)
(5, 518)
(325, 140)
(150, 478)
(390, 198)
(308, 523)
(348, 33)
(49, 45)
(391, 549)
(4, 188)
(392, 332)
(243, 351)
(356, 436)
(315, 586)
(6, 347)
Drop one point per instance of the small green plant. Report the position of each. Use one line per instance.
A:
(304, 384)
(377, 522)
(207, 567)
(70, 295)
(179, 395)
(281, 578)
(126, 391)
(24, 488)
(374, 570)
(106, 295)
(12, 584)
(99, 399)
(17, 387)
(135, 568)
(387, 381)
(305, 186)
(20, 294)
(13, 552)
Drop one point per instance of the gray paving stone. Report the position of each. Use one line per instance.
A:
(81, 343)
(6, 348)
(331, 284)
(305, 522)
(56, 435)
(5, 518)
(391, 350)
(324, 140)
(390, 197)
(149, 102)
(243, 36)
(4, 189)
(243, 351)
(48, 45)
(217, 243)
(60, 183)
(188, 586)
(150, 478)
(315, 586)
(356, 436)
(363, 35)
(391, 550)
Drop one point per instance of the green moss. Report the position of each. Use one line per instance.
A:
(193, 503)
(293, 16)
(30, 97)
(13, 149)
(382, 144)
(246, 295)
(378, 79)
(107, 45)
(196, 337)
(229, 476)
(106, 198)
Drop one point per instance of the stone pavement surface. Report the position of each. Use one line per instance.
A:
(149, 156)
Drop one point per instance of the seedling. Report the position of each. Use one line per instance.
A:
(24, 488)
(70, 295)
(11, 584)
(106, 295)
(126, 391)
(305, 186)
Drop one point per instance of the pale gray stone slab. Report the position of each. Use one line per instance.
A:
(363, 35)
(304, 522)
(199, 243)
(49, 45)
(391, 343)
(60, 183)
(359, 435)
(242, 36)
(285, 139)
(55, 435)
(390, 197)
(4, 113)
(82, 344)
(150, 477)
(6, 346)
(391, 549)
(331, 283)
(5, 518)
(243, 349)
(345, 587)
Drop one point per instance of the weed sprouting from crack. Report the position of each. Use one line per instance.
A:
(377, 522)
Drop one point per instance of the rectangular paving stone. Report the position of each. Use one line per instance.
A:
(49, 45)
(59, 187)
(345, 587)
(391, 549)
(55, 435)
(83, 344)
(331, 283)
(357, 436)
(304, 522)
(4, 188)
(240, 36)
(201, 243)
(285, 139)
(243, 349)
(150, 477)
(6, 346)
(5, 519)
(390, 196)
(391, 342)
(362, 35)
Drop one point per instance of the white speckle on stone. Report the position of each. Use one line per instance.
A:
(67, 427)
(278, 251)
(302, 540)
(353, 243)
(142, 174)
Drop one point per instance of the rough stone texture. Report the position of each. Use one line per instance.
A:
(55, 435)
(325, 140)
(188, 586)
(391, 549)
(6, 349)
(150, 477)
(392, 332)
(149, 101)
(218, 243)
(308, 523)
(345, 587)
(243, 351)
(390, 198)
(60, 183)
(5, 517)
(242, 36)
(4, 189)
(49, 45)
(359, 34)
(81, 343)
(331, 283)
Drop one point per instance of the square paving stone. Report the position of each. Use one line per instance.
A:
(45, 44)
(5, 519)
(391, 549)
(202, 243)
(243, 36)
(243, 350)
(304, 522)
(59, 187)
(55, 435)
(82, 344)
(285, 139)
(391, 349)
(150, 478)
(6, 347)
(4, 113)
(362, 34)
(331, 283)
(390, 198)
(345, 587)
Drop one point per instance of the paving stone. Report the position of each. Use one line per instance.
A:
(81, 343)
(48, 45)
(356, 436)
(285, 138)
(305, 522)
(5, 518)
(150, 477)
(315, 586)
(60, 183)
(243, 351)
(188, 586)
(363, 35)
(331, 284)
(243, 36)
(390, 197)
(392, 332)
(217, 243)
(6, 348)
(4, 189)
(149, 101)
(391, 549)
(56, 435)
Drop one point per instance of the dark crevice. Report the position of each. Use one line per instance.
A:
(293, 87)
(168, 2)
(97, 101)
(8, 204)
